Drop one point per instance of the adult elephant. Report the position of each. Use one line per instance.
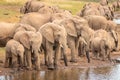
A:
(53, 36)
(99, 22)
(75, 27)
(103, 42)
(6, 32)
(97, 9)
(32, 43)
(44, 15)
(31, 6)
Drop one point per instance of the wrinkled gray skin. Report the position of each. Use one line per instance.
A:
(32, 43)
(99, 22)
(103, 42)
(75, 28)
(31, 6)
(14, 53)
(53, 36)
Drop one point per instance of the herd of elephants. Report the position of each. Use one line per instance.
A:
(52, 30)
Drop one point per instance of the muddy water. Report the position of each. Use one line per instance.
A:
(104, 73)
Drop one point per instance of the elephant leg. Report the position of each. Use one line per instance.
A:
(57, 54)
(28, 59)
(14, 61)
(6, 60)
(71, 44)
(49, 49)
(103, 55)
(108, 55)
(37, 61)
(21, 62)
(46, 58)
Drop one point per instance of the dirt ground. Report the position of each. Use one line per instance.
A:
(81, 61)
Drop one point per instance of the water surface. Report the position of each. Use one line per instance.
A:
(104, 73)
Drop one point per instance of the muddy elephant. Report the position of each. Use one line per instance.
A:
(103, 43)
(100, 22)
(53, 36)
(14, 53)
(75, 27)
(31, 6)
(32, 43)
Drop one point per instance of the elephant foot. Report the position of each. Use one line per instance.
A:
(73, 60)
(51, 67)
(38, 68)
(28, 68)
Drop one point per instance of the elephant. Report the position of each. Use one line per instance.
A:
(100, 22)
(54, 38)
(44, 15)
(103, 43)
(104, 2)
(116, 5)
(6, 32)
(14, 53)
(31, 6)
(89, 9)
(76, 27)
(24, 27)
(97, 9)
(32, 43)
(35, 19)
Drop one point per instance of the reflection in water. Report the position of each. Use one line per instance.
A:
(105, 73)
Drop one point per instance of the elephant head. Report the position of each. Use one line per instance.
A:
(55, 33)
(31, 40)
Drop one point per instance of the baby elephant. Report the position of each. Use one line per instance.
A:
(14, 54)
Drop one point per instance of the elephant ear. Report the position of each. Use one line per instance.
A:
(25, 40)
(47, 33)
(70, 27)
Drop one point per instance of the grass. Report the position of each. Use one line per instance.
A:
(9, 9)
